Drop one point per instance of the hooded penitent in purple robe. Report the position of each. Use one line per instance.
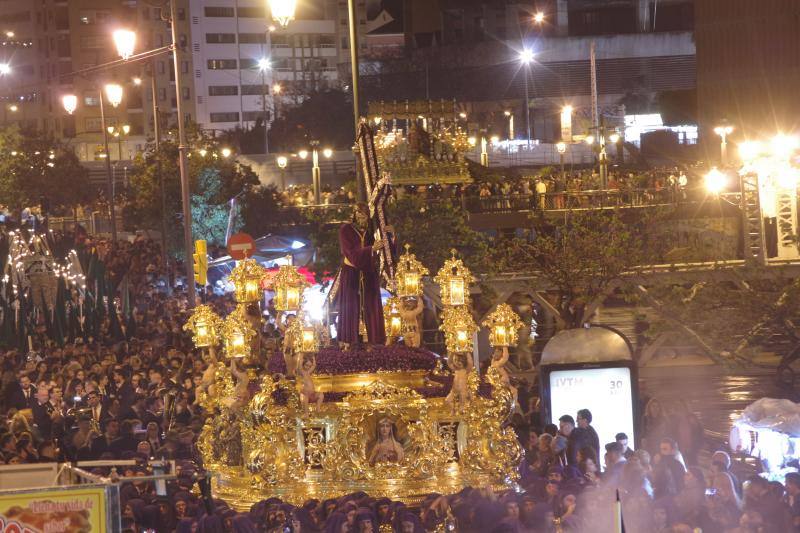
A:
(359, 295)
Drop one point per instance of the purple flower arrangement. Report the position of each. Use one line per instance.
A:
(388, 358)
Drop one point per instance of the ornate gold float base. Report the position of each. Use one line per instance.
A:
(382, 438)
(237, 487)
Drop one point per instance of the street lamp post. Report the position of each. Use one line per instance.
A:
(525, 57)
(562, 148)
(283, 12)
(282, 161)
(263, 66)
(114, 94)
(315, 171)
(159, 174)
(723, 132)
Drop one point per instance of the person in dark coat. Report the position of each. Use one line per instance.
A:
(126, 442)
(21, 394)
(585, 425)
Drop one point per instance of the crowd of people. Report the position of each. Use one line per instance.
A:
(548, 190)
(109, 399)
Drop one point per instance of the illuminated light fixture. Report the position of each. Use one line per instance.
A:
(494, 139)
(377, 121)
(277, 88)
(561, 147)
(459, 328)
(238, 333)
(137, 81)
(472, 141)
(749, 150)
(614, 138)
(226, 152)
(409, 274)
(526, 56)
(308, 340)
(302, 154)
(114, 94)
(205, 326)
(202, 152)
(125, 41)
(723, 130)
(283, 11)
(715, 181)
(462, 115)
(263, 64)
(589, 139)
(246, 278)
(538, 18)
(13, 108)
(5, 69)
(282, 161)
(70, 103)
(783, 145)
(327, 152)
(504, 325)
(392, 319)
(126, 129)
(453, 280)
(289, 285)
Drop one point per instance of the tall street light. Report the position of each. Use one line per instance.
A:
(562, 149)
(282, 161)
(113, 93)
(526, 58)
(723, 132)
(264, 66)
(283, 12)
(124, 48)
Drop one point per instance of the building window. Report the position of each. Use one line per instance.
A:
(224, 117)
(181, 13)
(224, 90)
(252, 116)
(252, 12)
(221, 64)
(219, 11)
(91, 99)
(184, 67)
(248, 63)
(252, 38)
(220, 38)
(187, 95)
(89, 17)
(254, 90)
(93, 124)
(93, 42)
(280, 41)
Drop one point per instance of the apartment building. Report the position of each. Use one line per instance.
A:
(55, 42)
(233, 41)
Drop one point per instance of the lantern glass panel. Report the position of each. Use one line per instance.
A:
(309, 340)
(501, 336)
(292, 298)
(395, 326)
(411, 283)
(457, 291)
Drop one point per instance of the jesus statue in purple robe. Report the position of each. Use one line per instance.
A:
(359, 295)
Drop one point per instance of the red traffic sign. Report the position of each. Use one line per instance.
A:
(241, 246)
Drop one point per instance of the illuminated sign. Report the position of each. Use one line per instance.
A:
(606, 392)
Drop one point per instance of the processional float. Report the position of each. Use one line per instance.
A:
(383, 431)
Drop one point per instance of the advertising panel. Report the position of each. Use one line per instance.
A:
(607, 392)
(79, 510)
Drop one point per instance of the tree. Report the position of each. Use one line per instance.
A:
(223, 178)
(432, 231)
(325, 116)
(34, 167)
(584, 258)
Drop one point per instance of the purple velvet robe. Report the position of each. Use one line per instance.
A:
(359, 288)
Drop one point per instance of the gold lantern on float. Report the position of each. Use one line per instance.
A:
(392, 320)
(459, 329)
(246, 278)
(289, 286)
(237, 333)
(205, 326)
(504, 325)
(454, 280)
(308, 339)
(409, 274)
